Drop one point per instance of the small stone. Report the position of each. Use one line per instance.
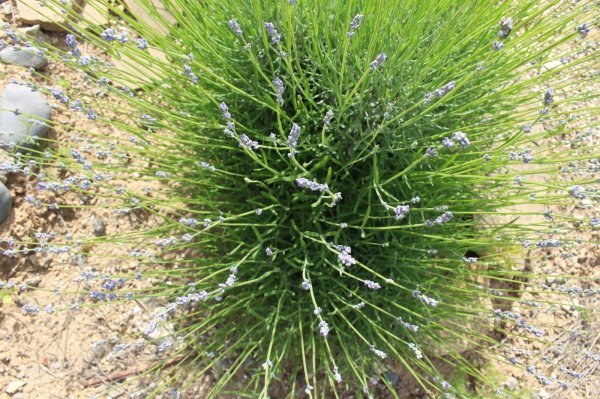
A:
(511, 383)
(99, 227)
(7, 8)
(586, 203)
(23, 115)
(28, 57)
(34, 32)
(34, 281)
(5, 203)
(543, 394)
(552, 64)
(79, 260)
(392, 377)
(14, 386)
(5, 159)
(100, 349)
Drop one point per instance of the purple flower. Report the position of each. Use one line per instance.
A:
(380, 354)
(328, 117)
(303, 182)
(344, 255)
(233, 24)
(401, 211)
(293, 139)
(323, 328)
(354, 24)
(446, 142)
(142, 43)
(246, 142)
(444, 218)
(378, 61)
(583, 30)
(372, 284)
(73, 45)
(224, 110)
(272, 32)
(109, 35)
(498, 46)
(431, 152)
(278, 83)
(461, 138)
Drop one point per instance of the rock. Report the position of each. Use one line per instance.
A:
(5, 161)
(137, 9)
(30, 13)
(14, 386)
(29, 122)
(34, 32)
(5, 203)
(7, 8)
(34, 281)
(24, 56)
(99, 227)
(552, 64)
(511, 383)
(586, 203)
(79, 260)
(543, 394)
(392, 377)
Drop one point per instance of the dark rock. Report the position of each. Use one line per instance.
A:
(5, 202)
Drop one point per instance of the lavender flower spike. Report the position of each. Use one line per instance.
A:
(278, 83)
(272, 32)
(293, 139)
(224, 110)
(401, 211)
(233, 24)
(246, 142)
(354, 24)
(461, 138)
(583, 30)
(328, 117)
(378, 61)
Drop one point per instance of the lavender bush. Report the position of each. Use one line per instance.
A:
(337, 181)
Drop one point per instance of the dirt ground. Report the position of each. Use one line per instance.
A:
(60, 355)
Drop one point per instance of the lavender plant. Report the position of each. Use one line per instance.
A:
(343, 187)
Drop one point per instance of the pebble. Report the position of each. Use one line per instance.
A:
(99, 227)
(5, 203)
(392, 377)
(24, 56)
(511, 383)
(14, 386)
(34, 281)
(7, 8)
(543, 394)
(34, 32)
(24, 127)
